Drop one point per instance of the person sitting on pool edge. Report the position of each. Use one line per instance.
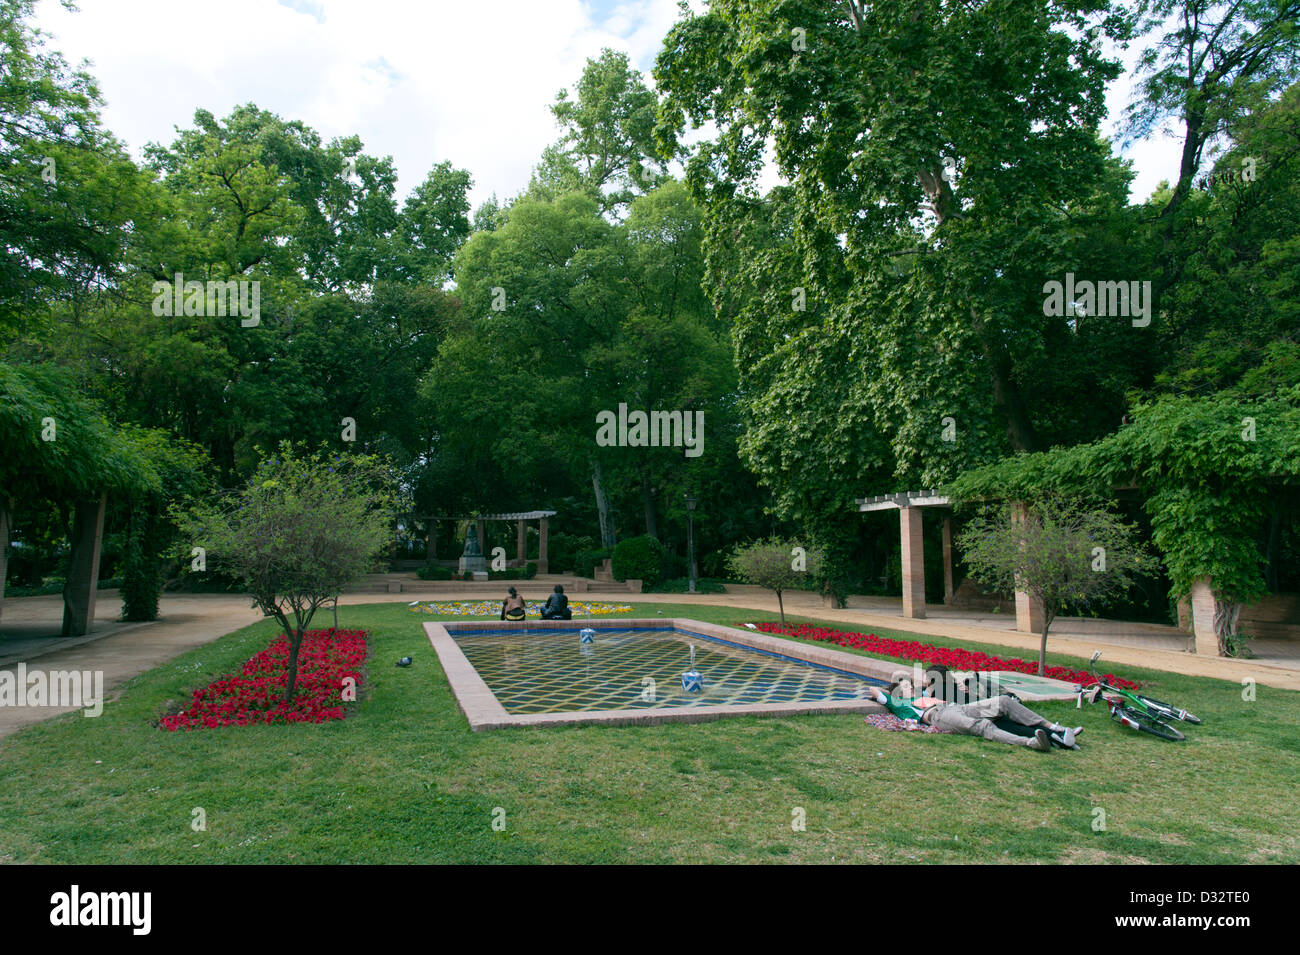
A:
(973, 719)
(513, 607)
(557, 606)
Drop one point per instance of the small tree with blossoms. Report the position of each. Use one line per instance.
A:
(303, 528)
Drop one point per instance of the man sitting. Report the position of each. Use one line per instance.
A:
(974, 719)
(557, 606)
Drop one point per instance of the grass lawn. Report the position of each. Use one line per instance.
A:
(403, 779)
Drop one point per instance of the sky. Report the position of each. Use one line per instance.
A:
(419, 80)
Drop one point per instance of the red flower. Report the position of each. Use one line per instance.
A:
(955, 658)
(325, 659)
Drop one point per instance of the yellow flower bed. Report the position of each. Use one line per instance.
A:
(490, 608)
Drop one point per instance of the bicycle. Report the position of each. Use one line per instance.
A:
(1142, 713)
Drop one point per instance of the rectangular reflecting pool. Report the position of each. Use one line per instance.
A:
(537, 673)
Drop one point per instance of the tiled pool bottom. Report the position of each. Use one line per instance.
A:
(539, 674)
(550, 671)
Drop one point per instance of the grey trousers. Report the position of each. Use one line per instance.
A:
(976, 719)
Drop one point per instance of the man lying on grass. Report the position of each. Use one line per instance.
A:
(976, 719)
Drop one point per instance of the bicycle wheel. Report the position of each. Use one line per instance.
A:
(1136, 719)
(1166, 711)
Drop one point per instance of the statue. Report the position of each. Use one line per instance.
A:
(472, 559)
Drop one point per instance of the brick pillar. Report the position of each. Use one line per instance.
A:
(6, 524)
(521, 542)
(83, 567)
(543, 564)
(1029, 611)
(948, 588)
(913, 562)
(1203, 607)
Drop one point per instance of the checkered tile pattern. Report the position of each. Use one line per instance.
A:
(552, 672)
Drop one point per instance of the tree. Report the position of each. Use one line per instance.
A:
(608, 148)
(776, 565)
(1063, 554)
(304, 527)
(943, 158)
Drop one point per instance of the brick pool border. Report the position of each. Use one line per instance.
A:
(485, 712)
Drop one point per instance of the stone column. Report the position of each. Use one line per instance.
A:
(6, 524)
(83, 567)
(1029, 611)
(913, 562)
(948, 588)
(543, 564)
(521, 542)
(1203, 607)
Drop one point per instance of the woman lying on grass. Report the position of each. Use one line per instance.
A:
(976, 719)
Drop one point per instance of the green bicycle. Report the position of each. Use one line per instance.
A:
(1134, 710)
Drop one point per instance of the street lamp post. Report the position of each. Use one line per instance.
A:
(690, 538)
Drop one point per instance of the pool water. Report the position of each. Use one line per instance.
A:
(550, 671)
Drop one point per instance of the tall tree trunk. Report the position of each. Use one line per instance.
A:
(648, 496)
(1042, 652)
(602, 505)
(294, 644)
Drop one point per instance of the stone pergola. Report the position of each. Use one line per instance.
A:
(1197, 610)
(521, 519)
(1029, 612)
(86, 541)
(909, 504)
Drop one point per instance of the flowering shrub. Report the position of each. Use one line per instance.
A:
(256, 695)
(954, 658)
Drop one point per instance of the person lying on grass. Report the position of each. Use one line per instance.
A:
(974, 719)
(941, 683)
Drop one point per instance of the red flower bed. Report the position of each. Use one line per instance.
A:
(954, 659)
(325, 659)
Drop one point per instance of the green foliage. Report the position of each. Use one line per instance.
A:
(1063, 554)
(303, 528)
(562, 551)
(638, 558)
(1210, 470)
(589, 559)
(776, 564)
(434, 572)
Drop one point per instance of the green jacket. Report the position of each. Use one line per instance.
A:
(901, 708)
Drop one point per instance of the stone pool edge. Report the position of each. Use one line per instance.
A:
(485, 712)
